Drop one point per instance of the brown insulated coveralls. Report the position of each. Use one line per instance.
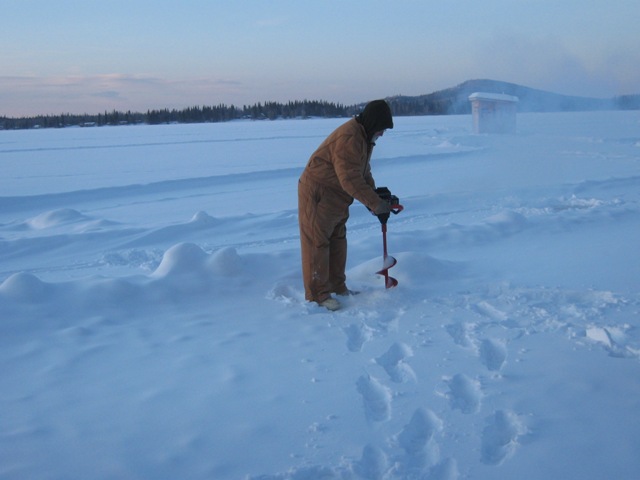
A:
(337, 172)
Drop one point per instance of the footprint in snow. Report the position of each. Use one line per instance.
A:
(613, 340)
(461, 333)
(376, 398)
(417, 441)
(415, 436)
(500, 436)
(357, 336)
(488, 310)
(373, 465)
(286, 294)
(393, 361)
(445, 470)
(464, 393)
(493, 354)
(389, 321)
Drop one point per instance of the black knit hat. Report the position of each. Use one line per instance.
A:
(376, 117)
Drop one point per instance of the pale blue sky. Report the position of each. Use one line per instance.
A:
(89, 56)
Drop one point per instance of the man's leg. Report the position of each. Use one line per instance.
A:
(314, 243)
(338, 259)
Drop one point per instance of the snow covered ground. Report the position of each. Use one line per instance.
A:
(152, 321)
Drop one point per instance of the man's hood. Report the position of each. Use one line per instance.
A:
(375, 117)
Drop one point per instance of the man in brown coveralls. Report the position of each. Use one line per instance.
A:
(337, 172)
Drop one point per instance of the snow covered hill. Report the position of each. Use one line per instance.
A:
(152, 321)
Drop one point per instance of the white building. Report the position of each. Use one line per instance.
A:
(493, 112)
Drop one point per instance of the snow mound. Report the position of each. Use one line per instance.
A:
(418, 269)
(412, 268)
(56, 218)
(186, 270)
(507, 222)
(185, 259)
(25, 287)
(226, 262)
(203, 218)
(65, 219)
(181, 259)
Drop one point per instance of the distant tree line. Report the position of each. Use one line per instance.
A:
(628, 102)
(204, 114)
(453, 101)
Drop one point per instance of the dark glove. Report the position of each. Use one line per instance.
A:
(385, 194)
(382, 211)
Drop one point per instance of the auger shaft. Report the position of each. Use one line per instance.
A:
(387, 260)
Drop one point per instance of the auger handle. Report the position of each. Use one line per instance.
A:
(383, 217)
(396, 209)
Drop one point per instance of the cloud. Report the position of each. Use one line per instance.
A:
(549, 64)
(33, 95)
(107, 94)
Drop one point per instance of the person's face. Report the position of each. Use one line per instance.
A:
(377, 135)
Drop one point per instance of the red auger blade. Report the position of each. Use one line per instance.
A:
(387, 262)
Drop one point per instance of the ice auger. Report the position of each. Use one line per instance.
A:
(387, 260)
